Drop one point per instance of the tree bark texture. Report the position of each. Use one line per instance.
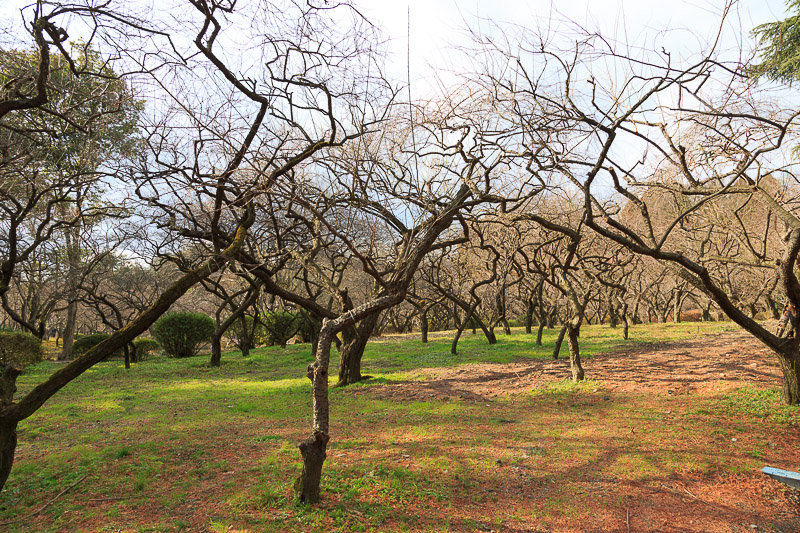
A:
(8, 446)
(423, 325)
(790, 366)
(216, 348)
(529, 317)
(314, 448)
(352, 351)
(574, 353)
(69, 331)
(559, 341)
(459, 331)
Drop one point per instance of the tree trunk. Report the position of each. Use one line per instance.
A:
(676, 308)
(529, 317)
(352, 351)
(8, 425)
(574, 353)
(216, 348)
(314, 452)
(456, 319)
(8, 445)
(613, 317)
(423, 325)
(559, 340)
(459, 331)
(635, 314)
(476, 323)
(316, 324)
(126, 350)
(69, 331)
(539, 332)
(790, 366)
(626, 320)
(314, 448)
(506, 327)
(772, 305)
(489, 333)
(72, 236)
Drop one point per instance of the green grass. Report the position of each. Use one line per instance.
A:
(757, 403)
(169, 437)
(390, 356)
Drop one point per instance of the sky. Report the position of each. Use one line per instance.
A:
(437, 27)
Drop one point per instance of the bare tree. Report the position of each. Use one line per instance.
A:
(269, 118)
(698, 130)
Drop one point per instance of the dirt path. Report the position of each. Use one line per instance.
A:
(720, 361)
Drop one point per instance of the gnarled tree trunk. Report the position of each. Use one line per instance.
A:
(352, 350)
(539, 333)
(559, 341)
(459, 331)
(574, 352)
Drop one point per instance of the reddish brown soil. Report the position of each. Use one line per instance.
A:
(683, 501)
(715, 362)
(577, 484)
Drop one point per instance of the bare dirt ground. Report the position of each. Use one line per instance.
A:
(682, 500)
(717, 361)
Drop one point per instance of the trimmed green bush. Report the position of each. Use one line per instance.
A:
(19, 348)
(182, 334)
(145, 348)
(84, 343)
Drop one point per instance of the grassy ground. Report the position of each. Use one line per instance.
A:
(174, 445)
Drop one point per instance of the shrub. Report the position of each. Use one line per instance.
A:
(84, 343)
(19, 348)
(145, 347)
(182, 334)
(283, 325)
